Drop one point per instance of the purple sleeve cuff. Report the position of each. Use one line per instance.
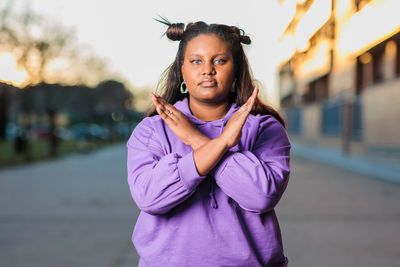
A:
(188, 172)
(220, 167)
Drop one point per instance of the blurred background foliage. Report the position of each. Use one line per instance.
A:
(59, 97)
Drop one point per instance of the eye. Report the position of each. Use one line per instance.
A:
(220, 61)
(195, 61)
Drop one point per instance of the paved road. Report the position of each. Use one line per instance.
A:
(77, 211)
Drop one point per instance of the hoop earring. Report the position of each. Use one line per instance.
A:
(233, 86)
(184, 90)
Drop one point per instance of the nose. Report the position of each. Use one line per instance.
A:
(208, 68)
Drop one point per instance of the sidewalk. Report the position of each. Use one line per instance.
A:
(331, 217)
(373, 167)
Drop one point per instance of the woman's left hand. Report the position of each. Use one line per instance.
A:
(179, 123)
(233, 129)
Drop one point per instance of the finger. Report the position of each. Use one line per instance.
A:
(167, 105)
(160, 104)
(160, 111)
(244, 108)
(165, 116)
(159, 107)
(255, 93)
(253, 97)
(248, 106)
(154, 99)
(168, 112)
(248, 102)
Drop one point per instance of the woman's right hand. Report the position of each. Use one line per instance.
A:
(233, 129)
(179, 123)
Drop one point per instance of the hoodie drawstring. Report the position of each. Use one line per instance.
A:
(214, 203)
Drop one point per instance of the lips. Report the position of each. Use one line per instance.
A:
(208, 83)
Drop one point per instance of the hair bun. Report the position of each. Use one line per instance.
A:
(240, 35)
(244, 39)
(175, 31)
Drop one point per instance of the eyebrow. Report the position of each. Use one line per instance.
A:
(216, 55)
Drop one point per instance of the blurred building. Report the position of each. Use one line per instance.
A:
(340, 74)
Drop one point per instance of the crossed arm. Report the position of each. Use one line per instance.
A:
(207, 152)
(255, 179)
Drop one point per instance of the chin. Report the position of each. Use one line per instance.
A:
(212, 98)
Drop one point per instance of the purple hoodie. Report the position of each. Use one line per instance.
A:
(225, 218)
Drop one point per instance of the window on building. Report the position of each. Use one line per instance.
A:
(377, 62)
(370, 68)
(318, 90)
(293, 120)
(392, 54)
(397, 61)
(287, 85)
(390, 59)
(364, 71)
(288, 100)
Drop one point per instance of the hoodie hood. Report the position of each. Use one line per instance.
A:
(183, 106)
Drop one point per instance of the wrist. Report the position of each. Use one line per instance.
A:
(198, 140)
(222, 141)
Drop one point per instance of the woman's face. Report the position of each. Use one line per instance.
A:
(208, 68)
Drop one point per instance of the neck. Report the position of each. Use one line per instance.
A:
(209, 111)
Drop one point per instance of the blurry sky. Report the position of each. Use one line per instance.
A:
(125, 34)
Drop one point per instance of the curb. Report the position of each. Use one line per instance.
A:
(380, 169)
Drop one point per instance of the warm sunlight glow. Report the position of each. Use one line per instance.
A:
(287, 48)
(365, 58)
(288, 11)
(60, 70)
(9, 72)
(318, 62)
(374, 23)
(343, 8)
(316, 16)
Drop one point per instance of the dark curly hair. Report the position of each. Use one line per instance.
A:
(234, 37)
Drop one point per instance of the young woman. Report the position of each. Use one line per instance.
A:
(208, 165)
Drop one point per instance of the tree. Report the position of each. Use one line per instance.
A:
(36, 44)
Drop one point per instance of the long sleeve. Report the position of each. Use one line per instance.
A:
(256, 179)
(158, 182)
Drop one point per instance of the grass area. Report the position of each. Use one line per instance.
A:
(40, 150)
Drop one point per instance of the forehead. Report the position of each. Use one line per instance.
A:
(207, 44)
